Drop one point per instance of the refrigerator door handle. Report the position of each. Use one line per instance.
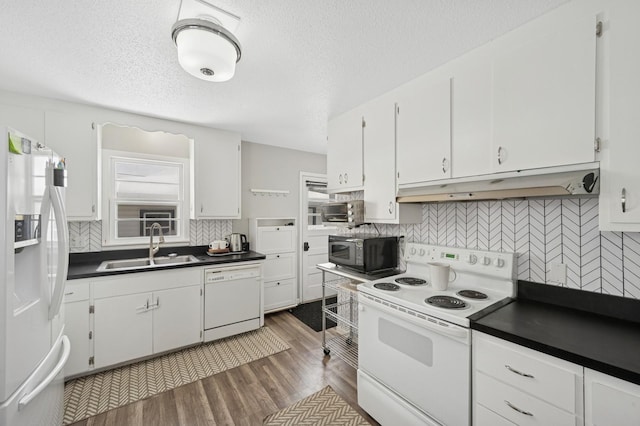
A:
(66, 350)
(63, 250)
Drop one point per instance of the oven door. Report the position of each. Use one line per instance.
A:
(343, 252)
(423, 360)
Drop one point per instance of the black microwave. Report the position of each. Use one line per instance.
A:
(364, 253)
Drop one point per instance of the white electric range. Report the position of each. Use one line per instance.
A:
(415, 342)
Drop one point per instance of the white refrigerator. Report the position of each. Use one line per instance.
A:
(34, 258)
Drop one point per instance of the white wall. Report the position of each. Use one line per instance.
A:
(269, 167)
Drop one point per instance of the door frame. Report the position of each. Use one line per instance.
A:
(302, 221)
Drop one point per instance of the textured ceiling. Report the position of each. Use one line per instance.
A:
(303, 61)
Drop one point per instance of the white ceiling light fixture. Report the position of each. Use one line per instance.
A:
(206, 49)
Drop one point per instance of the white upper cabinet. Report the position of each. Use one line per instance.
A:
(380, 166)
(216, 182)
(620, 195)
(544, 93)
(471, 102)
(379, 161)
(73, 135)
(424, 130)
(344, 154)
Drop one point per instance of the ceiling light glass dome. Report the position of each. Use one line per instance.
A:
(205, 49)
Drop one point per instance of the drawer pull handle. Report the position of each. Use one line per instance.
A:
(520, 373)
(68, 293)
(513, 407)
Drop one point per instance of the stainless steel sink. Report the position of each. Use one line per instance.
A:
(170, 260)
(144, 263)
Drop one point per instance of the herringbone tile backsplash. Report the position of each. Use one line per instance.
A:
(543, 232)
(87, 236)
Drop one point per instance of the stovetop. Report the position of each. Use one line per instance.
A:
(477, 271)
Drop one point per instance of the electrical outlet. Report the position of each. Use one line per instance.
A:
(557, 273)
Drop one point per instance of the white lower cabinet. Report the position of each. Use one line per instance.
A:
(278, 294)
(77, 326)
(522, 386)
(610, 401)
(278, 241)
(117, 319)
(122, 329)
(176, 320)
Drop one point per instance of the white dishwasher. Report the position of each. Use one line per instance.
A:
(232, 300)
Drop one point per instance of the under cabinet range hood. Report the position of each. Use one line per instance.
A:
(579, 179)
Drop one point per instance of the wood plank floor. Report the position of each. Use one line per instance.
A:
(246, 394)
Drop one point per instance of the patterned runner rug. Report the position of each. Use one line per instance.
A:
(90, 395)
(322, 408)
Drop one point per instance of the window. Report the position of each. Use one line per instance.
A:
(143, 191)
(316, 198)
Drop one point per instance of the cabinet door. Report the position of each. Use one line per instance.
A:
(177, 318)
(471, 115)
(610, 401)
(276, 239)
(620, 173)
(278, 266)
(25, 120)
(217, 178)
(424, 132)
(279, 294)
(544, 95)
(122, 328)
(379, 161)
(77, 330)
(74, 137)
(344, 152)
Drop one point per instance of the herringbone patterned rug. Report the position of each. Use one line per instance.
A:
(322, 408)
(87, 396)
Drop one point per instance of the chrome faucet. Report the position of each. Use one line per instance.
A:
(153, 250)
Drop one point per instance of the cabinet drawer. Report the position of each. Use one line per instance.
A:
(517, 406)
(276, 239)
(146, 281)
(279, 266)
(76, 292)
(553, 380)
(278, 294)
(485, 417)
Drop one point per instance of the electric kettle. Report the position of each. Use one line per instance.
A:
(236, 241)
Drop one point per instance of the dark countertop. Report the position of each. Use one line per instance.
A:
(597, 331)
(84, 265)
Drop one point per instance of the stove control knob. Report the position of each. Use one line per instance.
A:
(422, 252)
(412, 251)
(499, 263)
(486, 261)
(472, 259)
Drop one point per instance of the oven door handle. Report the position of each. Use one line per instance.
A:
(453, 331)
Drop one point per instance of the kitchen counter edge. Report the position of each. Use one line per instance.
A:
(84, 265)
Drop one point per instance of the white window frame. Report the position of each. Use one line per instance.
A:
(109, 206)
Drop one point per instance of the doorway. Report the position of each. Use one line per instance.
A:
(313, 235)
